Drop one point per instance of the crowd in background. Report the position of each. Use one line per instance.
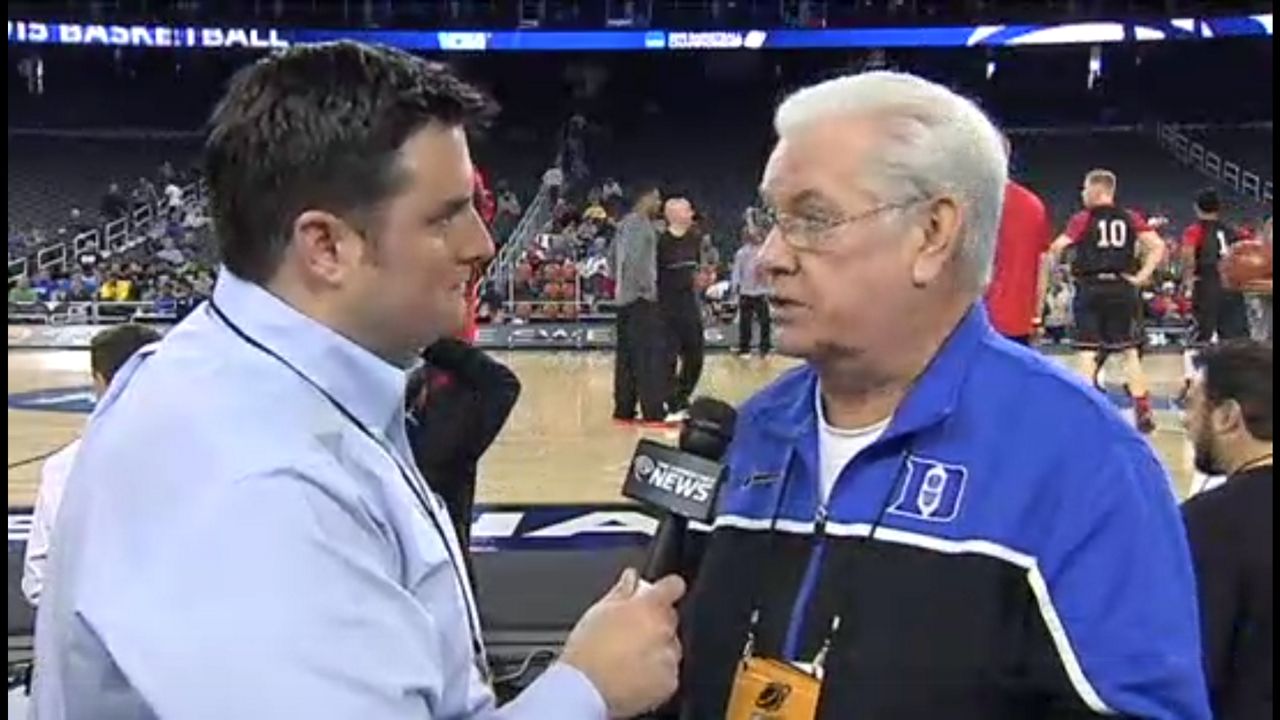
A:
(566, 271)
(169, 268)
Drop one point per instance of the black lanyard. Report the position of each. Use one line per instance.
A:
(418, 491)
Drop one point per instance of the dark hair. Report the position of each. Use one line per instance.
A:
(639, 190)
(1208, 201)
(1240, 370)
(111, 348)
(318, 127)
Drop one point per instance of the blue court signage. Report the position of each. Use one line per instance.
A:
(214, 37)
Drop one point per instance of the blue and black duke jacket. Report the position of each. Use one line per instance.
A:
(1008, 548)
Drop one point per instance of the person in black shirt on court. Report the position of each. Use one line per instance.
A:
(1229, 416)
(1218, 312)
(679, 258)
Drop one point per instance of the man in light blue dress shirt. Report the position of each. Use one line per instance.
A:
(244, 534)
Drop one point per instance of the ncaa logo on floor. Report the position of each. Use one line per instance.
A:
(67, 400)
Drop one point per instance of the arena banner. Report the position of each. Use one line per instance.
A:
(56, 337)
(508, 527)
(575, 336)
(540, 336)
(212, 37)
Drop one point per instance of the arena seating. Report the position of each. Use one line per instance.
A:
(1250, 146)
(1054, 166)
(50, 175)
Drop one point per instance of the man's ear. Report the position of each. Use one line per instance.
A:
(1227, 417)
(940, 240)
(325, 247)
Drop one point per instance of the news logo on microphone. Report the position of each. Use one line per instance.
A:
(679, 482)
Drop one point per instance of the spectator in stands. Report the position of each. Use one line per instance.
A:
(169, 252)
(508, 212)
(76, 224)
(79, 291)
(202, 284)
(44, 286)
(553, 181)
(610, 190)
(89, 279)
(108, 352)
(595, 208)
(114, 205)
(507, 201)
(61, 286)
(163, 299)
(18, 243)
(87, 260)
(22, 292)
(1260, 302)
(144, 194)
(117, 288)
(173, 201)
(166, 174)
(1057, 310)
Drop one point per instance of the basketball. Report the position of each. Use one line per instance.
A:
(1247, 262)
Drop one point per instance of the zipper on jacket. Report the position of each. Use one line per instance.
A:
(808, 584)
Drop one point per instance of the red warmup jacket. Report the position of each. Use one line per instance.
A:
(487, 206)
(1025, 234)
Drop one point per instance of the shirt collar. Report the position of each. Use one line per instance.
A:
(930, 401)
(371, 388)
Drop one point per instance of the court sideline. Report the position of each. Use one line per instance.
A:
(559, 447)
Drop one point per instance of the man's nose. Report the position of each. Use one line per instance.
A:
(477, 248)
(775, 255)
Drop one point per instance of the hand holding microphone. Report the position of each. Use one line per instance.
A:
(626, 644)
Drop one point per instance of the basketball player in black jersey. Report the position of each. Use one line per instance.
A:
(1116, 253)
(679, 258)
(1204, 243)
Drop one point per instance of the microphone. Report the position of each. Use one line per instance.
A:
(683, 482)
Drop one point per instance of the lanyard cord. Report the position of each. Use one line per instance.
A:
(1261, 461)
(414, 487)
(771, 542)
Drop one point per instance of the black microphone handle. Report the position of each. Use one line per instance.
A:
(667, 548)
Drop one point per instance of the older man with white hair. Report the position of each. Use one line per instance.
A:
(925, 520)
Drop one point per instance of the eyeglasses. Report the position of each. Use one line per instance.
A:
(808, 233)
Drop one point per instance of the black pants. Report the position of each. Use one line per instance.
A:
(754, 310)
(685, 349)
(1218, 310)
(1108, 315)
(638, 362)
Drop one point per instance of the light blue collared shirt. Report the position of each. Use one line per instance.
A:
(231, 546)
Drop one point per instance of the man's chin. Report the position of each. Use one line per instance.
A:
(787, 344)
(1206, 464)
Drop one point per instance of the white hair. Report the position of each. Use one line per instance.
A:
(935, 142)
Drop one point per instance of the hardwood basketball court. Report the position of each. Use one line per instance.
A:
(560, 446)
